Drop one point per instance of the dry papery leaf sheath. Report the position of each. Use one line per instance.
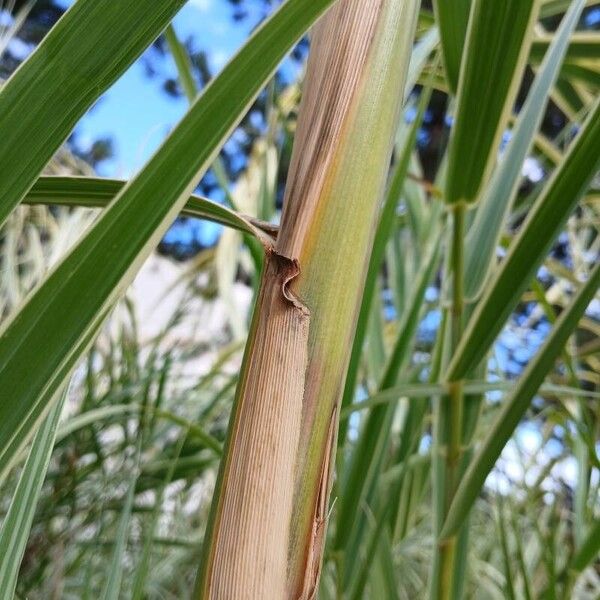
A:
(267, 528)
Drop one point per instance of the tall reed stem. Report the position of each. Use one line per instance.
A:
(267, 528)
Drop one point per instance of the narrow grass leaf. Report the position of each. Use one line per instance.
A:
(183, 64)
(419, 58)
(44, 340)
(589, 550)
(499, 196)
(114, 411)
(584, 45)
(516, 406)
(452, 19)
(378, 544)
(498, 41)
(84, 53)
(188, 83)
(568, 98)
(426, 390)
(551, 8)
(12, 454)
(508, 577)
(518, 535)
(581, 73)
(142, 572)
(549, 213)
(114, 579)
(97, 192)
(20, 18)
(17, 522)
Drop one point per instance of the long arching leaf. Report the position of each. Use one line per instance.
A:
(96, 192)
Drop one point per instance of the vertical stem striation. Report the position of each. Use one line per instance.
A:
(267, 529)
(247, 557)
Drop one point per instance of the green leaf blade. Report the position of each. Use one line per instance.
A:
(485, 232)
(114, 579)
(17, 523)
(494, 60)
(589, 549)
(453, 18)
(84, 53)
(98, 192)
(550, 212)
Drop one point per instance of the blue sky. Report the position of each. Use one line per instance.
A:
(135, 112)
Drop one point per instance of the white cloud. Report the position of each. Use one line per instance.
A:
(203, 5)
(219, 59)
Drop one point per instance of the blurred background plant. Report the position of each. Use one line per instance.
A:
(124, 505)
